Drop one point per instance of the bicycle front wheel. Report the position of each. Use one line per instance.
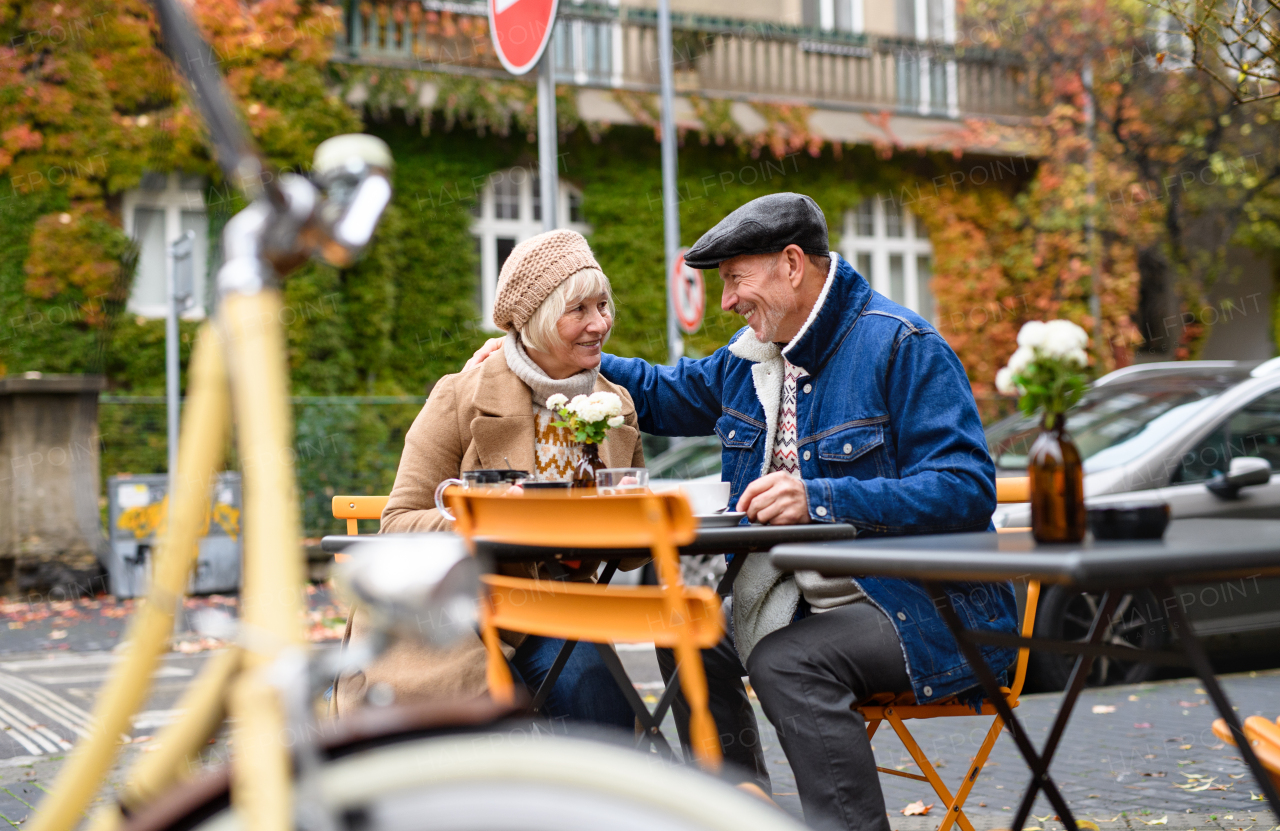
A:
(517, 779)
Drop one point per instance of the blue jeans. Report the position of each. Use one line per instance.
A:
(584, 692)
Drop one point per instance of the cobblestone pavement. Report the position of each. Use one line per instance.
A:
(1119, 768)
(1125, 752)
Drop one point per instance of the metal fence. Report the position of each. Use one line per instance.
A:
(342, 444)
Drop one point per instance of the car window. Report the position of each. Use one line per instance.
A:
(1206, 460)
(1112, 425)
(1253, 430)
(688, 459)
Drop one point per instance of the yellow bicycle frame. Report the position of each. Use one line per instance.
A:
(239, 362)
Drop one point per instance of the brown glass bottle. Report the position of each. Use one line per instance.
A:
(1057, 484)
(584, 472)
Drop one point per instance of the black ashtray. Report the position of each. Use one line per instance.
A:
(1129, 521)
(563, 484)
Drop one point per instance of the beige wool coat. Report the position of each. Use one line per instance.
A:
(478, 419)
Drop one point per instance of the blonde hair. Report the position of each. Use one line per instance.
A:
(540, 330)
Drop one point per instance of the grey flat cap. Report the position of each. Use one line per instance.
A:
(763, 226)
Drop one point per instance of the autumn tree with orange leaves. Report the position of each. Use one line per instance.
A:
(88, 102)
(1183, 172)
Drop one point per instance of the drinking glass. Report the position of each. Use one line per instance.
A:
(618, 481)
(495, 480)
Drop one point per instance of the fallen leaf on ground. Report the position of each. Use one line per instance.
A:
(1131, 698)
(916, 809)
(1084, 823)
(1256, 797)
(1184, 747)
(1164, 820)
(57, 634)
(1142, 725)
(1104, 708)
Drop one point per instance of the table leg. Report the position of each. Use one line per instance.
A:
(652, 733)
(668, 695)
(972, 654)
(1079, 674)
(1195, 653)
(725, 587)
(549, 681)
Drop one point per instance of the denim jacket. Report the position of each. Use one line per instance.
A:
(889, 440)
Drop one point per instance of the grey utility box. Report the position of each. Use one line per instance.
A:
(135, 511)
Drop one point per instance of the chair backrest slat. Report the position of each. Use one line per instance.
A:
(1013, 489)
(570, 521)
(355, 508)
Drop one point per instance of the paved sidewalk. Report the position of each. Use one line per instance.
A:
(1122, 759)
(1120, 769)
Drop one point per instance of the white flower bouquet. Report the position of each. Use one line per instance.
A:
(1048, 369)
(588, 416)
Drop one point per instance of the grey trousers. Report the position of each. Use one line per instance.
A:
(730, 710)
(808, 675)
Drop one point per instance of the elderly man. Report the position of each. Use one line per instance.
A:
(835, 405)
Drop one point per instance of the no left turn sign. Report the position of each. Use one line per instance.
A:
(688, 295)
(520, 30)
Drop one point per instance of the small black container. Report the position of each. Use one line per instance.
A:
(562, 485)
(1129, 521)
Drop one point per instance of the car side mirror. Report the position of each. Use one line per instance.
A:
(1245, 472)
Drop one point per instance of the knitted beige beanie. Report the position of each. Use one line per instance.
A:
(533, 270)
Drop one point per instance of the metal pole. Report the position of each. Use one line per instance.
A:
(171, 377)
(670, 207)
(548, 138)
(178, 286)
(1090, 222)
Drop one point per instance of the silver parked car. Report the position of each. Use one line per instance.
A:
(1203, 436)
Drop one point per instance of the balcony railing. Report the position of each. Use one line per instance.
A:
(617, 48)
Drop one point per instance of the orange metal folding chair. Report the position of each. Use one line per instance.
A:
(671, 615)
(901, 708)
(1264, 738)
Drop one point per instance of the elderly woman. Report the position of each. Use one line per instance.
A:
(555, 304)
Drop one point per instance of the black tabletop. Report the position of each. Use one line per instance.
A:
(1192, 550)
(742, 539)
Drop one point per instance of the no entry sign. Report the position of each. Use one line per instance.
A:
(688, 297)
(521, 30)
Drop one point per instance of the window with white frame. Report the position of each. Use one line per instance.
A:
(889, 246)
(834, 15)
(161, 209)
(510, 210)
(584, 49)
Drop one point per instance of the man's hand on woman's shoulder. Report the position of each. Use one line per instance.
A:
(486, 349)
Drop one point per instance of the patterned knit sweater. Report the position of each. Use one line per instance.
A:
(821, 593)
(554, 450)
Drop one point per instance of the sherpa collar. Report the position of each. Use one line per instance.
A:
(843, 297)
